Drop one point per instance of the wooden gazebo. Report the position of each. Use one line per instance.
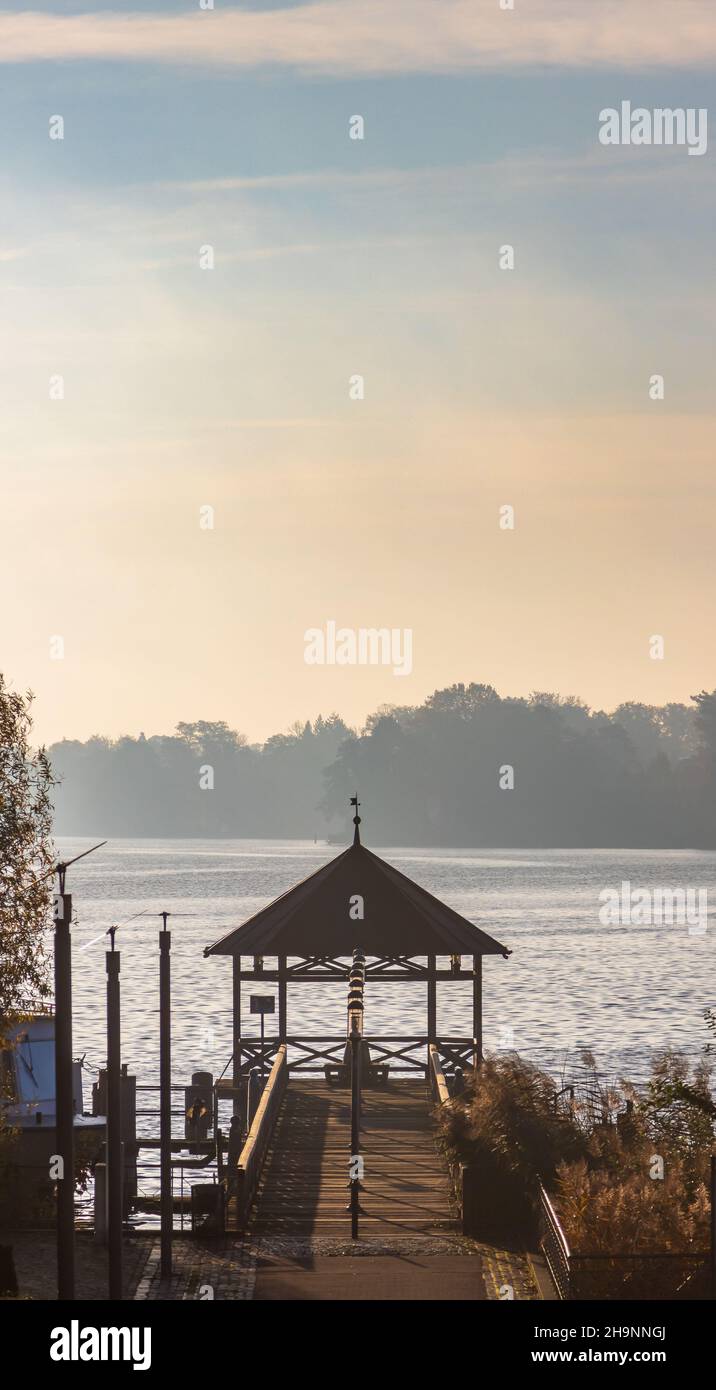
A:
(357, 900)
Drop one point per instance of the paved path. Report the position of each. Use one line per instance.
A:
(315, 1269)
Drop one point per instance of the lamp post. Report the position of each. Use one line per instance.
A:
(355, 1044)
(64, 1097)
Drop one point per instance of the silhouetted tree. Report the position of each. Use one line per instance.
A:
(643, 775)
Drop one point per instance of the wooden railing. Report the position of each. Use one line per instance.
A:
(248, 1169)
(436, 1076)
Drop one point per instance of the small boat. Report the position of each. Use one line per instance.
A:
(27, 1064)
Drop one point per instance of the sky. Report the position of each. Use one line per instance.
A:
(185, 387)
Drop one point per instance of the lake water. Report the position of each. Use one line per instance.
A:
(623, 991)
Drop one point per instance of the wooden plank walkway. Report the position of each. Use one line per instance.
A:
(304, 1185)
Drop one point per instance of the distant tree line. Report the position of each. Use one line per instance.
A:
(466, 768)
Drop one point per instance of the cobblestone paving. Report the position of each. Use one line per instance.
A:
(35, 1256)
(201, 1271)
(227, 1269)
(507, 1274)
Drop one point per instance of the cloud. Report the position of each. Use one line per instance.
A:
(339, 37)
(625, 164)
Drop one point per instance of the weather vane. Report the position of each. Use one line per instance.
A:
(356, 819)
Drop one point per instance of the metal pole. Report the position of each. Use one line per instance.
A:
(355, 1128)
(64, 1089)
(236, 1029)
(115, 1173)
(355, 1039)
(165, 1099)
(64, 1099)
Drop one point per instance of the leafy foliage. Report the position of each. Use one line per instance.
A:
(26, 855)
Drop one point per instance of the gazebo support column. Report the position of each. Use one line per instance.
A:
(282, 999)
(477, 1007)
(236, 1025)
(432, 1000)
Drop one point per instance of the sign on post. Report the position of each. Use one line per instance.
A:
(262, 1004)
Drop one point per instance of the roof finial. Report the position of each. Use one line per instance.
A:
(356, 819)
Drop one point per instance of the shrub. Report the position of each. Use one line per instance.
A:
(506, 1126)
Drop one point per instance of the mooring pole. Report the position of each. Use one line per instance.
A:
(165, 1098)
(64, 1099)
(115, 1175)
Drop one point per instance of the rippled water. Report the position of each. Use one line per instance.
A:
(622, 991)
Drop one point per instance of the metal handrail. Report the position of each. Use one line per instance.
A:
(555, 1247)
(568, 1268)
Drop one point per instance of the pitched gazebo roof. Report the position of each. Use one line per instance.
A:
(400, 918)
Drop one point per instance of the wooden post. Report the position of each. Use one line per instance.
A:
(432, 1000)
(477, 1007)
(282, 999)
(236, 1028)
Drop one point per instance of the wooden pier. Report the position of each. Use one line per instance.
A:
(304, 1184)
(343, 1144)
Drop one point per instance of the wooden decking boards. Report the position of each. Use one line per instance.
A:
(304, 1184)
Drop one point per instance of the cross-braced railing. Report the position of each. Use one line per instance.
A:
(309, 1055)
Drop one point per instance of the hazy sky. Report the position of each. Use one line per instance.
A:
(186, 387)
